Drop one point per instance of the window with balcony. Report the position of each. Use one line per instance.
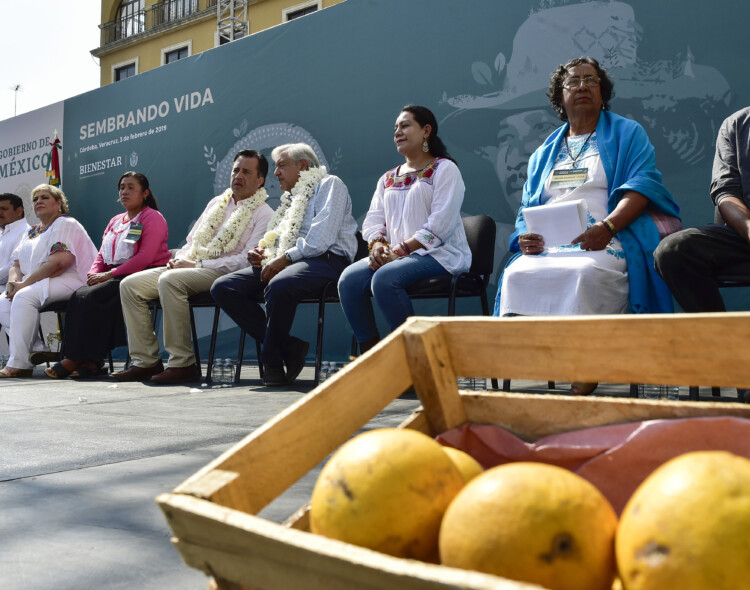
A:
(177, 9)
(131, 18)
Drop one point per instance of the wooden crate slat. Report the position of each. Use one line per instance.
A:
(677, 349)
(532, 417)
(255, 553)
(433, 375)
(280, 452)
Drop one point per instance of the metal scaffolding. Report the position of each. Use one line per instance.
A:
(232, 19)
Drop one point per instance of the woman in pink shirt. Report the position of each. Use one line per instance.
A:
(132, 242)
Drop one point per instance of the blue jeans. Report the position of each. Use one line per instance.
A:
(240, 293)
(387, 286)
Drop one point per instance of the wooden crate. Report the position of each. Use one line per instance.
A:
(212, 514)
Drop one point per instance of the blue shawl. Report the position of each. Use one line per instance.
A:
(630, 165)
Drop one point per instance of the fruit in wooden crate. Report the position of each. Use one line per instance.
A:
(387, 490)
(467, 465)
(534, 523)
(687, 526)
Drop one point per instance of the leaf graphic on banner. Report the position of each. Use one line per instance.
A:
(337, 157)
(500, 62)
(208, 153)
(481, 72)
(242, 130)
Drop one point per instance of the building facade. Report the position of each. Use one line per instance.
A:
(140, 35)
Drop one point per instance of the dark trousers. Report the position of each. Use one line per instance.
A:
(689, 261)
(93, 322)
(240, 293)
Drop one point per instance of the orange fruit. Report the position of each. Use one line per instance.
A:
(467, 465)
(387, 490)
(687, 526)
(532, 523)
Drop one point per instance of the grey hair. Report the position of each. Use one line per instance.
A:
(297, 152)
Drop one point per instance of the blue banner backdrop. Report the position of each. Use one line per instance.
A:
(337, 78)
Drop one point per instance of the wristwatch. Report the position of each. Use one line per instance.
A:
(288, 258)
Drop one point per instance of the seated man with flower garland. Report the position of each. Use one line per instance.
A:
(216, 245)
(309, 242)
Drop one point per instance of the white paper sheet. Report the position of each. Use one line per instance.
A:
(558, 223)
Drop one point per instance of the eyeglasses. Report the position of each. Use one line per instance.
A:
(575, 82)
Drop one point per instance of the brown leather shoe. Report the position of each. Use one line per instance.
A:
(134, 373)
(177, 375)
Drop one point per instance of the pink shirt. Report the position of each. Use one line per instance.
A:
(149, 251)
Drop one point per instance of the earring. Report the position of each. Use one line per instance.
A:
(425, 146)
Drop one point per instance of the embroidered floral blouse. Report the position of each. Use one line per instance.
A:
(424, 205)
(64, 234)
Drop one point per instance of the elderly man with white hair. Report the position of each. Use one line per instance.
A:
(310, 240)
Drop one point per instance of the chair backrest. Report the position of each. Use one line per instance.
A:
(362, 250)
(480, 233)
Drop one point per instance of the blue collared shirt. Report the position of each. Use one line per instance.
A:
(328, 224)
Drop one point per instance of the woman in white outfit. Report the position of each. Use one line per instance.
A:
(608, 162)
(48, 265)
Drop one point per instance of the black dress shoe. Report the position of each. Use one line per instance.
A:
(274, 376)
(295, 354)
(138, 373)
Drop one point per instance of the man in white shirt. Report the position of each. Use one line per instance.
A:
(310, 240)
(12, 227)
(231, 223)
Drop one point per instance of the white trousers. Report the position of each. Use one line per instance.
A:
(20, 316)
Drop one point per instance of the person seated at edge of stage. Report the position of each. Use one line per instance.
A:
(413, 229)
(12, 227)
(48, 265)
(689, 260)
(132, 241)
(611, 270)
(309, 241)
(215, 246)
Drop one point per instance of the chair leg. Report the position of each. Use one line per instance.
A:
(259, 351)
(212, 346)
(196, 351)
(355, 346)
(319, 344)
(240, 354)
(111, 362)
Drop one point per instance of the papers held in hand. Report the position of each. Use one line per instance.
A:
(559, 224)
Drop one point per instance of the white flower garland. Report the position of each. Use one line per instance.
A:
(206, 245)
(284, 227)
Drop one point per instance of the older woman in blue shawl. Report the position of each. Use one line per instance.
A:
(606, 162)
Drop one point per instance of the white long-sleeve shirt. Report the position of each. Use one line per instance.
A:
(424, 205)
(237, 258)
(328, 224)
(10, 237)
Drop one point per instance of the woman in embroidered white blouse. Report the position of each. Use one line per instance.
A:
(413, 229)
(49, 264)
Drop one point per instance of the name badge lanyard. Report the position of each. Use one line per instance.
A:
(578, 155)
